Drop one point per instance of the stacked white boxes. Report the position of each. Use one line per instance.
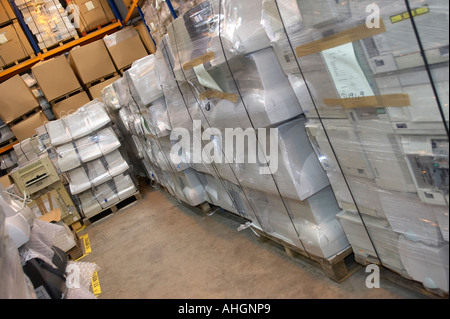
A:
(378, 128)
(88, 150)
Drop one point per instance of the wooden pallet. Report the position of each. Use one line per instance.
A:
(124, 69)
(99, 27)
(60, 43)
(17, 62)
(66, 96)
(25, 116)
(100, 80)
(7, 23)
(112, 209)
(11, 141)
(338, 267)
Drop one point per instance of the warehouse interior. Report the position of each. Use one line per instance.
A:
(224, 149)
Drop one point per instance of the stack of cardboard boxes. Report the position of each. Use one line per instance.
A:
(14, 45)
(93, 66)
(16, 100)
(92, 14)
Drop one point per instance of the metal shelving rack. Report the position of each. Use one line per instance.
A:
(41, 56)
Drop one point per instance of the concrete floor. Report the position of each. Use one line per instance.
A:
(158, 248)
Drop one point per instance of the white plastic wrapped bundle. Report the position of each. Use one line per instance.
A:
(97, 172)
(29, 149)
(376, 229)
(409, 216)
(106, 194)
(272, 215)
(268, 99)
(144, 80)
(176, 107)
(96, 113)
(240, 28)
(426, 264)
(107, 140)
(193, 189)
(110, 98)
(58, 132)
(116, 163)
(297, 173)
(78, 124)
(5, 133)
(89, 204)
(79, 181)
(14, 285)
(8, 160)
(166, 161)
(88, 148)
(124, 186)
(324, 240)
(160, 117)
(313, 220)
(67, 157)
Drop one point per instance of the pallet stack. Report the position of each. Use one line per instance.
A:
(92, 15)
(125, 46)
(378, 127)
(93, 66)
(48, 21)
(14, 44)
(88, 151)
(375, 137)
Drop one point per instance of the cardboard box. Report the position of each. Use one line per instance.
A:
(93, 13)
(6, 12)
(96, 90)
(27, 128)
(55, 77)
(91, 61)
(146, 39)
(70, 104)
(14, 45)
(16, 99)
(125, 47)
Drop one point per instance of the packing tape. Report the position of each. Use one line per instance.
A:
(350, 35)
(219, 95)
(197, 61)
(387, 100)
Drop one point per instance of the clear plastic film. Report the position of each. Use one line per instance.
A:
(58, 132)
(106, 194)
(15, 285)
(29, 149)
(117, 37)
(143, 77)
(237, 37)
(242, 82)
(89, 204)
(124, 185)
(68, 158)
(378, 118)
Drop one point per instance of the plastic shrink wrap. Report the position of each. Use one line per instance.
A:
(376, 125)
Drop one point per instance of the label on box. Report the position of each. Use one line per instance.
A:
(347, 75)
(89, 5)
(3, 38)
